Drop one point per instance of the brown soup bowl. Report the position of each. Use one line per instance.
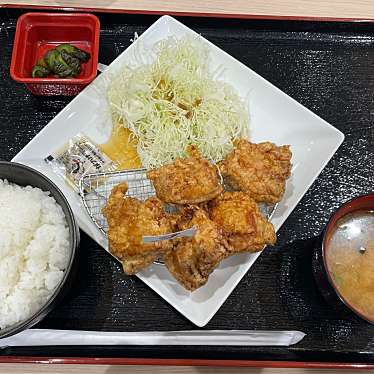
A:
(322, 272)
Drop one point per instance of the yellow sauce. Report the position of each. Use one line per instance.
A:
(350, 260)
(121, 148)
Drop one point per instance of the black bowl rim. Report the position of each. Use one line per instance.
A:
(324, 249)
(36, 317)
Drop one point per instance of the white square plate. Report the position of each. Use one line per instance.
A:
(274, 116)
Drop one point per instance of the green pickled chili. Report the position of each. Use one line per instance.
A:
(39, 72)
(64, 61)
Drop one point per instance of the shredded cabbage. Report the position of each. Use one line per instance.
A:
(175, 101)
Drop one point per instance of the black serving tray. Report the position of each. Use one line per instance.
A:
(326, 66)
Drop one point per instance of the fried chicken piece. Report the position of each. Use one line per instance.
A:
(193, 259)
(260, 170)
(243, 225)
(129, 219)
(186, 181)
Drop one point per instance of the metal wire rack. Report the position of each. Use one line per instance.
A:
(95, 189)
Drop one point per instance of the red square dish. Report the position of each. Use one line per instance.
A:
(36, 33)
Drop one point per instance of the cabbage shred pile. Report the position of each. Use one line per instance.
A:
(175, 101)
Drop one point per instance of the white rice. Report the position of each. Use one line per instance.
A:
(34, 250)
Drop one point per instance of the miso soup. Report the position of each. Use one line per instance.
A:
(350, 260)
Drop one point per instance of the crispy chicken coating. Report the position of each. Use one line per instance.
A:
(186, 181)
(193, 259)
(260, 170)
(243, 225)
(129, 219)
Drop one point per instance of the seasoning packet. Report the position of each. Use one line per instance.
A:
(77, 158)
